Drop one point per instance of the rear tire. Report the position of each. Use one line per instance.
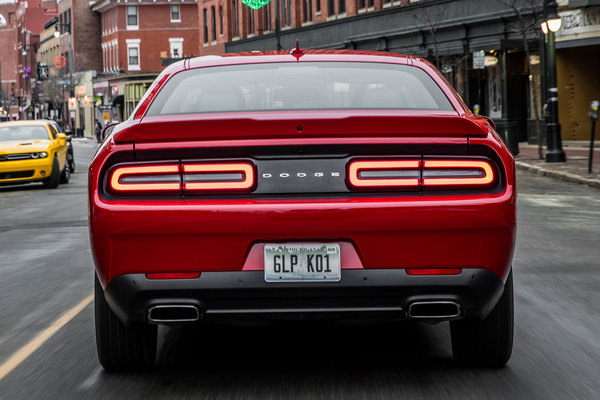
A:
(66, 174)
(488, 342)
(54, 179)
(121, 347)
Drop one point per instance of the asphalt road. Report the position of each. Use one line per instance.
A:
(46, 271)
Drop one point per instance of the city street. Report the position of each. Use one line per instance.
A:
(47, 270)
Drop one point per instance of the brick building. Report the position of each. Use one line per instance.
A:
(136, 37)
(79, 28)
(31, 15)
(231, 20)
(8, 62)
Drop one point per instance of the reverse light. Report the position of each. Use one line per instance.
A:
(399, 173)
(222, 176)
(457, 173)
(146, 178)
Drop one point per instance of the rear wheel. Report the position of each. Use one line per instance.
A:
(488, 342)
(66, 174)
(71, 162)
(54, 179)
(121, 347)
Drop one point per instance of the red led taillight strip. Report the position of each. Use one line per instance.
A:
(357, 166)
(484, 167)
(246, 182)
(154, 172)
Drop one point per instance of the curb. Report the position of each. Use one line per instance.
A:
(565, 176)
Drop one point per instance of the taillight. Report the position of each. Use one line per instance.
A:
(457, 173)
(221, 176)
(146, 178)
(398, 173)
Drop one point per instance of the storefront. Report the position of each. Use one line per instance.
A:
(578, 58)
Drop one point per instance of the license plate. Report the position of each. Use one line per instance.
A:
(302, 262)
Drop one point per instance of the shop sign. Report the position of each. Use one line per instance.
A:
(490, 61)
(579, 21)
(479, 59)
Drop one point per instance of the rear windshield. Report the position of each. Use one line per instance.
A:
(299, 86)
(23, 132)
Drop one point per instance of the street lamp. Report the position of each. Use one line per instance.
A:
(550, 25)
(32, 72)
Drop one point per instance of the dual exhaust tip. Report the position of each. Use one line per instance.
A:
(434, 310)
(175, 313)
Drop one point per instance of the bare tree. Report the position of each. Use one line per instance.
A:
(431, 18)
(525, 12)
(55, 93)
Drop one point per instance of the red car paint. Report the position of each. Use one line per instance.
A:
(455, 230)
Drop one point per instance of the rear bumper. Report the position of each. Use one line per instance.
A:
(360, 293)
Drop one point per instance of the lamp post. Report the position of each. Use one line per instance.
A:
(550, 25)
(57, 34)
(32, 73)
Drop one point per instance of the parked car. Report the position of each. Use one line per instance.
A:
(33, 151)
(343, 184)
(70, 152)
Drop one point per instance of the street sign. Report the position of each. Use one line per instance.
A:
(479, 59)
(60, 61)
(63, 82)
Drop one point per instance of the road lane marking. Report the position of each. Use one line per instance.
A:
(27, 350)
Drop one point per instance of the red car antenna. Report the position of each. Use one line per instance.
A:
(297, 52)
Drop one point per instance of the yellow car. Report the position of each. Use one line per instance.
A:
(32, 151)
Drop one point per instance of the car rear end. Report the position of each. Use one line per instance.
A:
(330, 196)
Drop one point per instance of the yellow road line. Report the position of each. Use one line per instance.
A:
(24, 352)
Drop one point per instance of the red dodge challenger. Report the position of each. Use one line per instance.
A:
(335, 184)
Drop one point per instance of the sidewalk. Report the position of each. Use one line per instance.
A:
(574, 170)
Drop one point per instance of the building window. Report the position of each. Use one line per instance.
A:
(342, 6)
(176, 45)
(330, 7)
(213, 20)
(371, 3)
(69, 27)
(318, 6)
(175, 16)
(221, 20)
(234, 19)
(133, 54)
(267, 17)
(132, 17)
(388, 2)
(250, 22)
(306, 10)
(361, 4)
(205, 15)
(286, 13)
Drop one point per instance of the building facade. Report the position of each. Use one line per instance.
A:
(136, 38)
(578, 57)
(31, 16)
(8, 62)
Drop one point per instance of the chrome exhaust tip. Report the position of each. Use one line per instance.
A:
(434, 310)
(173, 313)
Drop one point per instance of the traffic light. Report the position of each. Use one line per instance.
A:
(42, 72)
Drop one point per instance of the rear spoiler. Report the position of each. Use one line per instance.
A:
(295, 124)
